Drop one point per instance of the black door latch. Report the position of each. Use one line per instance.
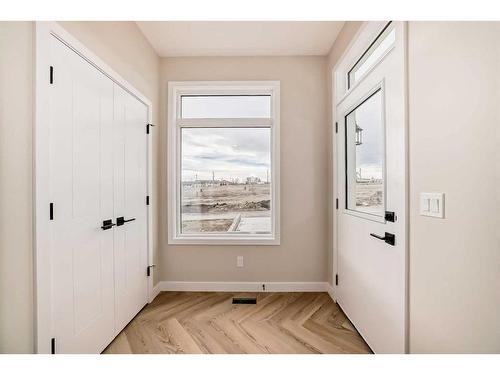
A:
(107, 224)
(388, 238)
(121, 220)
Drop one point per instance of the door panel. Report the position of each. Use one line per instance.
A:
(130, 156)
(372, 273)
(98, 159)
(81, 184)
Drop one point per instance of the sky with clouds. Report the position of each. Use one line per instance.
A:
(369, 155)
(226, 106)
(229, 152)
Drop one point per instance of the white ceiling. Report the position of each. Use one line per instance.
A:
(244, 38)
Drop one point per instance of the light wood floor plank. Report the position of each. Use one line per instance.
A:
(208, 322)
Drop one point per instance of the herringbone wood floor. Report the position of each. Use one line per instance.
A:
(196, 322)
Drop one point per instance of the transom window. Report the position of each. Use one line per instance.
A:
(225, 106)
(224, 155)
(382, 43)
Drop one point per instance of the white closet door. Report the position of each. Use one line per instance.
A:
(81, 180)
(130, 189)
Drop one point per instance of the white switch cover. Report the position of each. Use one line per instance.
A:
(432, 204)
(239, 261)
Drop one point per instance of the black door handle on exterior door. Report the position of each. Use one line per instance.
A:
(107, 224)
(121, 220)
(388, 238)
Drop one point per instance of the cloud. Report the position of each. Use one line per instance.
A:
(228, 152)
(370, 155)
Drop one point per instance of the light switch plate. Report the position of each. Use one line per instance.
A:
(239, 261)
(432, 204)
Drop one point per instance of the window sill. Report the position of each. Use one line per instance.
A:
(223, 240)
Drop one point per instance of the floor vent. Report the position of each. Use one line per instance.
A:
(244, 301)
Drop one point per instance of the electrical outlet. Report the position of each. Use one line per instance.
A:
(239, 261)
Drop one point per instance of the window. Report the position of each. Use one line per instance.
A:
(365, 156)
(384, 41)
(227, 106)
(224, 162)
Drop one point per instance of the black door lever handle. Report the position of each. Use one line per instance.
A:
(107, 224)
(121, 220)
(388, 238)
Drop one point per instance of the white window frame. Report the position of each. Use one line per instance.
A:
(175, 90)
(366, 35)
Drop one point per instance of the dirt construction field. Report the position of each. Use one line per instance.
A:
(369, 197)
(213, 208)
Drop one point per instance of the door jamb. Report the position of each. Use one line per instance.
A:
(41, 226)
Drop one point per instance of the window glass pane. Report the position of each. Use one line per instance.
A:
(226, 176)
(383, 42)
(229, 106)
(365, 158)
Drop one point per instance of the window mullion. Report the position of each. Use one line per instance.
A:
(225, 122)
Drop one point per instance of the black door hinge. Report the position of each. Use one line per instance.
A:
(52, 345)
(337, 203)
(51, 211)
(148, 269)
(147, 127)
(336, 279)
(336, 127)
(147, 200)
(51, 75)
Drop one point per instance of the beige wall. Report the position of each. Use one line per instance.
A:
(454, 83)
(304, 170)
(122, 46)
(340, 45)
(16, 100)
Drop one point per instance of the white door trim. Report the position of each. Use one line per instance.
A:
(41, 229)
(339, 92)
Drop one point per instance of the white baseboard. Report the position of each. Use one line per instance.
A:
(156, 291)
(330, 291)
(237, 286)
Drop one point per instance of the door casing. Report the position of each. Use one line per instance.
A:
(362, 39)
(41, 245)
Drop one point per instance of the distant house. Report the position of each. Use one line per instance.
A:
(253, 180)
(205, 183)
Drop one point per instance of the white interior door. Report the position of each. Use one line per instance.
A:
(372, 182)
(81, 189)
(130, 157)
(98, 173)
